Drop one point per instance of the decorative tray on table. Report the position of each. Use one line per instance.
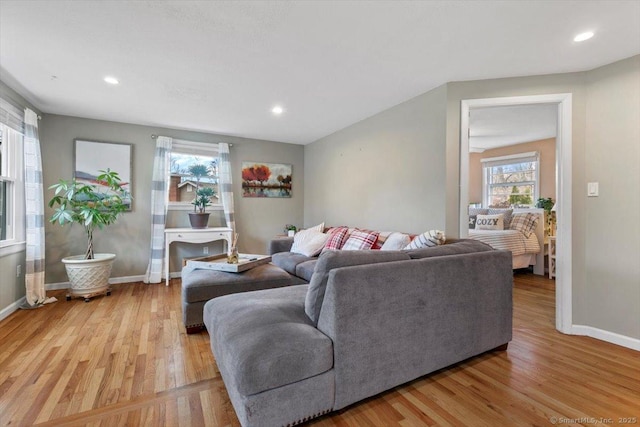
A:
(219, 262)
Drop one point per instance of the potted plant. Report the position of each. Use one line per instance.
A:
(200, 218)
(547, 204)
(290, 229)
(91, 206)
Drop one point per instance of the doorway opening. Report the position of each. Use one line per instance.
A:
(561, 107)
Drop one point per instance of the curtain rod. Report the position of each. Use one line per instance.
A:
(154, 136)
(16, 104)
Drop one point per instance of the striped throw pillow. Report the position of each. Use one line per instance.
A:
(427, 239)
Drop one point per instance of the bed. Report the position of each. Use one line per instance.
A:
(526, 251)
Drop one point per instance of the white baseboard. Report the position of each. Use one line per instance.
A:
(5, 312)
(612, 337)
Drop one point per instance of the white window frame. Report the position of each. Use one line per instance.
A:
(13, 174)
(490, 162)
(197, 149)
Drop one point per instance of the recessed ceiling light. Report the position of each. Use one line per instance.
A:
(583, 36)
(277, 110)
(111, 80)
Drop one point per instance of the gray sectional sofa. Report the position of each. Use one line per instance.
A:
(367, 321)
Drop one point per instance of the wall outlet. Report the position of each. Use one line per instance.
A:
(205, 250)
(18, 270)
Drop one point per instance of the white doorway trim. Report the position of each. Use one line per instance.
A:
(563, 188)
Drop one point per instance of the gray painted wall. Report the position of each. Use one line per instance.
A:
(12, 286)
(612, 232)
(383, 173)
(257, 220)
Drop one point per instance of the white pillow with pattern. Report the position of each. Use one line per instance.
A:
(427, 239)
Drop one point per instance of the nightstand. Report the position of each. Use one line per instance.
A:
(552, 256)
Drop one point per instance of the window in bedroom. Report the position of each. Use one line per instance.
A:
(511, 181)
(193, 164)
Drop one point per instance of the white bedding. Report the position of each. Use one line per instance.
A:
(510, 240)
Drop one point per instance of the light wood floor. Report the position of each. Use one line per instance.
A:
(126, 360)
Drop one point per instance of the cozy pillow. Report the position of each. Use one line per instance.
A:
(427, 239)
(336, 259)
(337, 237)
(506, 213)
(360, 240)
(308, 242)
(395, 242)
(472, 221)
(525, 222)
(490, 222)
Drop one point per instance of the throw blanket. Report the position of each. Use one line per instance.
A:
(510, 240)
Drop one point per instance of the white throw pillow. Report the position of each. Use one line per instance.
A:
(395, 242)
(319, 227)
(427, 239)
(490, 222)
(309, 242)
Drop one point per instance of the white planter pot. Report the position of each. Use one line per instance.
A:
(89, 277)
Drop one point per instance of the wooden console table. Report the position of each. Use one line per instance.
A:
(192, 235)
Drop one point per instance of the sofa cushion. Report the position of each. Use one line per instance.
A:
(336, 259)
(203, 284)
(462, 246)
(305, 269)
(360, 240)
(265, 340)
(288, 261)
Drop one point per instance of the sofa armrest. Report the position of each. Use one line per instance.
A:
(393, 322)
(280, 244)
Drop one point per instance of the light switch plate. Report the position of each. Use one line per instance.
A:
(592, 189)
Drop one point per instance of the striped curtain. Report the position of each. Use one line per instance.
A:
(159, 203)
(34, 215)
(225, 185)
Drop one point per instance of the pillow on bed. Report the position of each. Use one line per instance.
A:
(507, 213)
(525, 222)
(490, 222)
(472, 221)
(478, 211)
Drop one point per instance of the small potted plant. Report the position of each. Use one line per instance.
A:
(199, 218)
(290, 230)
(93, 206)
(547, 204)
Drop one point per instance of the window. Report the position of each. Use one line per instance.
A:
(193, 165)
(510, 180)
(11, 188)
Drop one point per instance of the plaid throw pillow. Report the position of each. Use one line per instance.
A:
(360, 240)
(337, 237)
(525, 223)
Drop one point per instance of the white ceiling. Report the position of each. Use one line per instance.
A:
(220, 66)
(500, 126)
